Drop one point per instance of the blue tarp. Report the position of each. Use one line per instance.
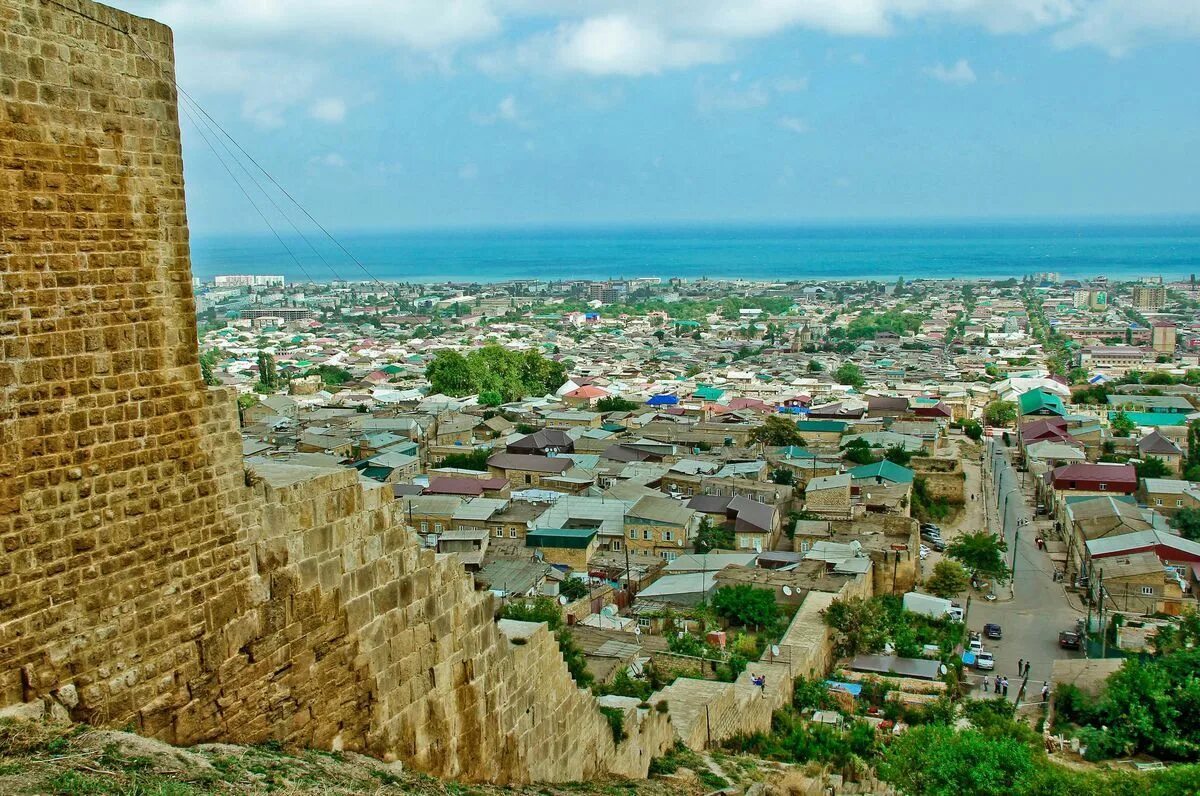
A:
(663, 400)
(853, 689)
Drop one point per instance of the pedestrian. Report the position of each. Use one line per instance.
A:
(1020, 666)
(761, 682)
(1028, 666)
(1004, 685)
(1045, 691)
(985, 683)
(997, 684)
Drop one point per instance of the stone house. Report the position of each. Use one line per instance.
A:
(1168, 495)
(1156, 445)
(1135, 583)
(829, 496)
(568, 547)
(270, 406)
(574, 418)
(1077, 480)
(527, 471)
(659, 526)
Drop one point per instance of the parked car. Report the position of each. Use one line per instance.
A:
(938, 545)
(984, 661)
(975, 645)
(992, 630)
(1069, 640)
(929, 526)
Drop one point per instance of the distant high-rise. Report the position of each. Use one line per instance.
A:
(1148, 296)
(1162, 338)
(248, 280)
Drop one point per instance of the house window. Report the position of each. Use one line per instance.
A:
(424, 527)
(643, 622)
(633, 533)
(437, 527)
(1158, 501)
(499, 533)
(668, 536)
(669, 555)
(647, 535)
(616, 545)
(743, 541)
(1104, 487)
(512, 533)
(804, 546)
(528, 478)
(1148, 591)
(1178, 502)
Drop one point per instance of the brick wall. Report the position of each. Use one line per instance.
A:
(146, 577)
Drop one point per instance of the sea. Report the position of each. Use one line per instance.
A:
(1082, 249)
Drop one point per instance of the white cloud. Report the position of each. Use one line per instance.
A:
(731, 95)
(618, 44)
(331, 160)
(330, 109)
(506, 111)
(793, 124)
(1116, 26)
(960, 74)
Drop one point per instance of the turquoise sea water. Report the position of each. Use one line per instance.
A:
(1083, 249)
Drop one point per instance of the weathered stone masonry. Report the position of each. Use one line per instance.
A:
(144, 576)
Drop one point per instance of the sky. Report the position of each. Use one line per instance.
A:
(390, 114)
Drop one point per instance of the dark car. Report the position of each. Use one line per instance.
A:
(992, 630)
(937, 544)
(1069, 640)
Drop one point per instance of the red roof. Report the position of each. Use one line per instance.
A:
(472, 487)
(587, 391)
(1081, 475)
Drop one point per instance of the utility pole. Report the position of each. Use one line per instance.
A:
(1103, 623)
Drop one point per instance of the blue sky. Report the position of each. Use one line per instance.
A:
(423, 113)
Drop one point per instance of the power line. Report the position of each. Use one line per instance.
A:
(245, 193)
(171, 78)
(267, 194)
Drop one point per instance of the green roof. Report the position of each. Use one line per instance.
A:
(707, 393)
(569, 538)
(1037, 400)
(821, 425)
(889, 471)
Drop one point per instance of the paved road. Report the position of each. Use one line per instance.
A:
(1038, 608)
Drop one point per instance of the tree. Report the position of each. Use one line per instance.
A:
(1122, 425)
(777, 432)
(948, 579)
(783, 476)
(937, 760)
(491, 398)
(898, 454)
(267, 376)
(615, 403)
(981, 553)
(474, 460)
(746, 605)
(1152, 467)
(712, 537)
(660, 335)
(858, 451)
(814, 366)
(1187, 522)
(1000, 413)
(973, 430)
(862, 625)
(850, 374)
(573, 589)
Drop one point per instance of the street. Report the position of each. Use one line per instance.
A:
(1033, 608)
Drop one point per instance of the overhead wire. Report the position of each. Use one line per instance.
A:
(169, 76)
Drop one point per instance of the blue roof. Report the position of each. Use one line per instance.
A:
(663, 400)
(853, 689)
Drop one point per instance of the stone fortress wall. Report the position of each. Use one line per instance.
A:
(145, 576)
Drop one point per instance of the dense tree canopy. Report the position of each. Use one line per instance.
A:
(1000, 413)
(948, 578)
(777, 432)
(492, 368)
(850, 374)
(981, 553)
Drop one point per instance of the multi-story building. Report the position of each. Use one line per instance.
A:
(1148, 296)
(249, 280)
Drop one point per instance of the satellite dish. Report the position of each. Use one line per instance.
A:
(609, 610)
(787, 591)
(562, 599)
(942, 669)
(774, 650)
